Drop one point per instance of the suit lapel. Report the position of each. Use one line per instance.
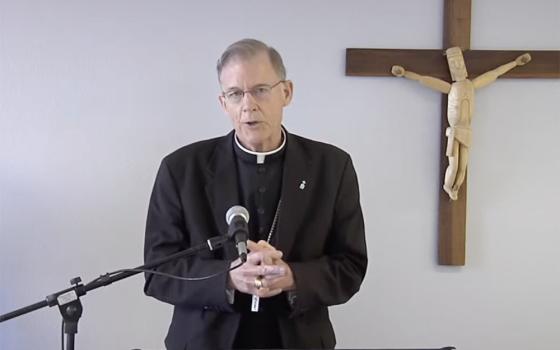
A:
(296, 194)
(222, 186)
(222, 189)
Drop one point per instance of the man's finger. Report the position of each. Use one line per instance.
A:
(252, 245)
(265, 244)
(266, 271)
(272, 270)
(259, 246)
(258, 257)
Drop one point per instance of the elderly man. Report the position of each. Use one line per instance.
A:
(305, 218)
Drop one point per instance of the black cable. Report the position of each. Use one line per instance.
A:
(110, 274)
(180, 278)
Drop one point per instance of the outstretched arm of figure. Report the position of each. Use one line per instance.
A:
(431, 82)
(491, 76)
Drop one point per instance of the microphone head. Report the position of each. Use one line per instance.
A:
(237, 210)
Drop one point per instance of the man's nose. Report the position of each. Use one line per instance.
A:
(248, 101)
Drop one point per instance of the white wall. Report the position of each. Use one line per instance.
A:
(94, 93)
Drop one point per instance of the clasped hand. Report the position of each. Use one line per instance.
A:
(264, 264)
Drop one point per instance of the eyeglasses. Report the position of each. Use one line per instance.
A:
(259, 92)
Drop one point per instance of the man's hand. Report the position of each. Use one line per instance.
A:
(253, 277)
(284, 282)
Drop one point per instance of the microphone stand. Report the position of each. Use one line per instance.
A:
(68, 300)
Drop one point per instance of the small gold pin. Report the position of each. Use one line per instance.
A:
(302, 185)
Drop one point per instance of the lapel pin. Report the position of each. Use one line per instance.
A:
(302, 185)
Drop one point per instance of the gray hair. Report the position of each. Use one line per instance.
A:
(248, 48)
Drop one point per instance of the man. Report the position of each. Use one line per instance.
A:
(305, 214)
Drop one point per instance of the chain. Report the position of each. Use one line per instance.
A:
(274, 221)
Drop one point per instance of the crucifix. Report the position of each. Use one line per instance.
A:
(457, 22)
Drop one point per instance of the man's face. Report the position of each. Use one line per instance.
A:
(257, 116)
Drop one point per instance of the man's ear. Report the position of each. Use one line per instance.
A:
(222, 101)
(288, 91)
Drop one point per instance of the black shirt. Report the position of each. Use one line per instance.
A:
(260, 185)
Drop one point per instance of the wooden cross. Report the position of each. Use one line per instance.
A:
(457, 23)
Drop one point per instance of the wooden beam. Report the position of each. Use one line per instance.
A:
(453, 214)
(378, 62)
(457, 24)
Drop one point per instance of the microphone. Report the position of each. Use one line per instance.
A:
(237, 218)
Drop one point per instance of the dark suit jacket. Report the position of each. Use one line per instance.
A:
(320, 232)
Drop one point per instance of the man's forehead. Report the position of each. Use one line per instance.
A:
(247, 71)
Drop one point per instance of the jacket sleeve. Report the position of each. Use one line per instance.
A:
(166, 234)
(337, 275)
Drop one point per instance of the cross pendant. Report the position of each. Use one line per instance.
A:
(255, 303)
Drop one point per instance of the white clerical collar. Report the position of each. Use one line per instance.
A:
(262, 155)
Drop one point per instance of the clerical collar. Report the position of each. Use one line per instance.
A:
(259, 157)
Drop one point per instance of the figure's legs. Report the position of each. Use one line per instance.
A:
(462, 171)
(451, 171)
